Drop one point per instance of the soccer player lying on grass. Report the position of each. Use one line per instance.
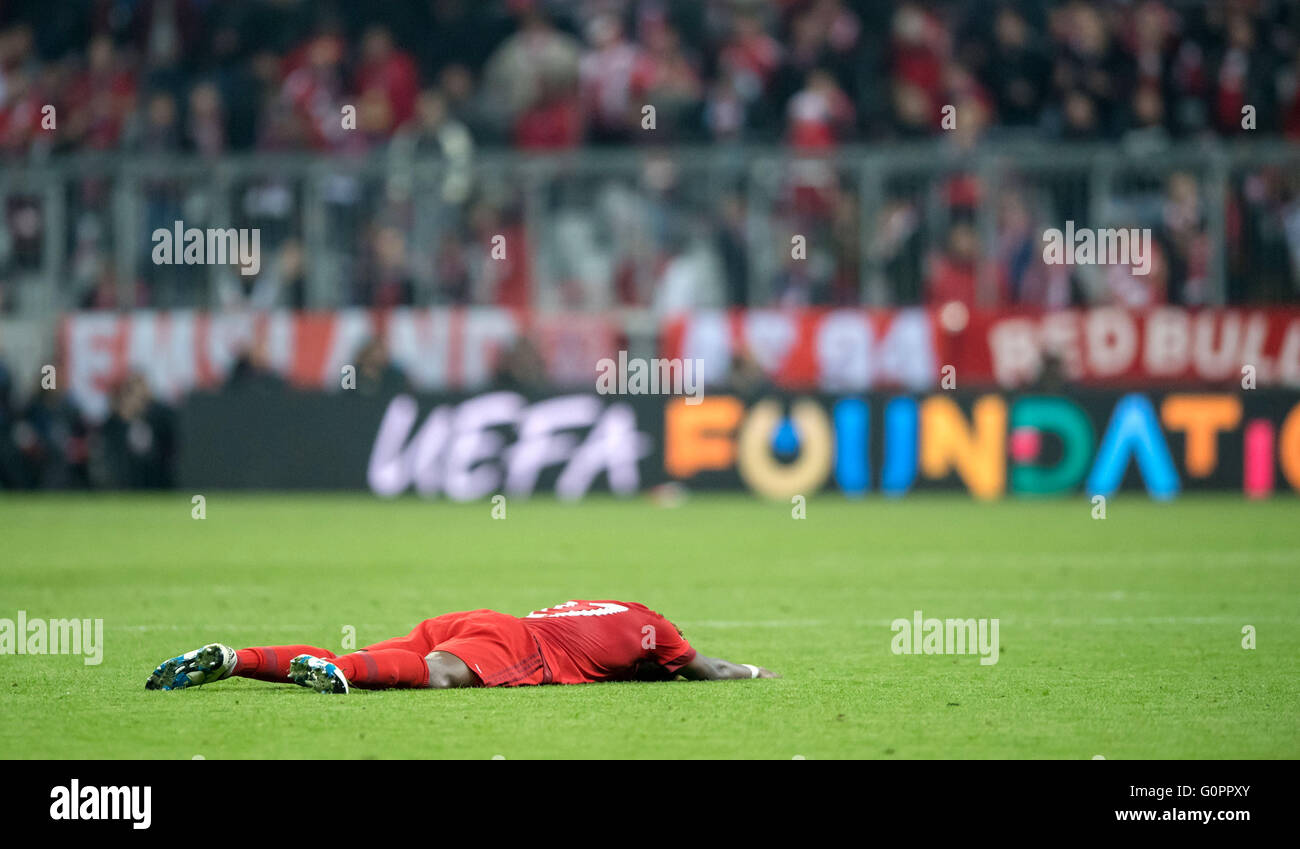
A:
(572, 643)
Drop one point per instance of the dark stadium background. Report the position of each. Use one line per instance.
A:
(523, 120)
(836, 207)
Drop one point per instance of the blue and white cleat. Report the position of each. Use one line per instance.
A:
(317, 674)
(193, 669)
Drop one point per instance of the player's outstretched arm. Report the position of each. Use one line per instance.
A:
(716, 669)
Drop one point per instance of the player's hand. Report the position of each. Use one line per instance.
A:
(763, 672)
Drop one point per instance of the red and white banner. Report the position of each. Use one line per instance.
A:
(1114, 346)
(833, 350)
(843, 350)
(857, 350)
(438, 349)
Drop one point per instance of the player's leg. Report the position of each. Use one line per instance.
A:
(447, 671)
(385, 669)
(487, 649)
(271, 663)
(477, 648)
(394, 663)
(204, 665)
(421, 640)
(216, 661)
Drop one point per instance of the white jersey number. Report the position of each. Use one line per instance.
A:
(578, 608)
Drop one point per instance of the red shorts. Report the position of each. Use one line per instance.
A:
(496, 647)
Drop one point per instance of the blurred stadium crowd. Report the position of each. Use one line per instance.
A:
(441, 79)
(475, 85)
(450, 80)
(208, 77)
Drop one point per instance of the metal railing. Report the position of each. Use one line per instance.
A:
(641, 229)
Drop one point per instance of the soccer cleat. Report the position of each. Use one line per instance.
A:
(193, 669)
(316, 674)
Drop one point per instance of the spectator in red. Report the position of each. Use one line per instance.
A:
(919, 48)
(100, 99)
(393, 71)
(972, 106)
(537, 63)
(553, 122)
(313, 87)
(505, 278)
(20, 112)
(820, 115)
(750, 56)
(375, 120)
(954, 274)
(24, 93)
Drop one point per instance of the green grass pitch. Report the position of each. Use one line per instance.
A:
(1120, 638)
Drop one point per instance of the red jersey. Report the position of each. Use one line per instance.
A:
(585, 641)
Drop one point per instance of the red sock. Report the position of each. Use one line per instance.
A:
(384, 669)
(271, 663)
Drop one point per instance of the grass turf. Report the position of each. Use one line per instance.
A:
(1119, 638)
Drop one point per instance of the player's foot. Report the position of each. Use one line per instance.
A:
(193, 669)
(316, 674)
